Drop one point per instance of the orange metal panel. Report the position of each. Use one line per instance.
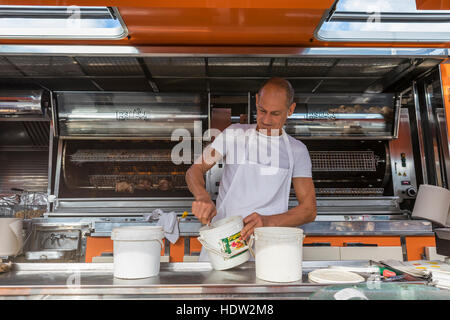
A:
(220, 26)
(195, 245)
(340, 241)
(304, 4)
(214, 23)
(445, 74)
(433, 4)
(177, 251)
(415, 246)
(95, 246)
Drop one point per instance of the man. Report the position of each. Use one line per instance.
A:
(251, 187)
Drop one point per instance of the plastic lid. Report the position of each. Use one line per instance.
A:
(221, 225)
(434, 187)
(331, 276)
(278, 232)
(137, 233)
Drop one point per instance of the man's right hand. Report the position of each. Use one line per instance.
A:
(203, 207)
(204, 210)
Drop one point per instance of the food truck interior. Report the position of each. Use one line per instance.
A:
(375, 128)
(88, 128)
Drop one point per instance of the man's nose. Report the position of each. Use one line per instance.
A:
(267, 119)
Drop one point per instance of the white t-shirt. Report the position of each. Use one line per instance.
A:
(269, 150)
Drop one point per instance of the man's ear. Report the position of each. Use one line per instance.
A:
(291, 109)
(257, 99)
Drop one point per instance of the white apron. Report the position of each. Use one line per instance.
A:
(253, 190)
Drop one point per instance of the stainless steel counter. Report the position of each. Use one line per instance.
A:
(175, 281)
(337, 225)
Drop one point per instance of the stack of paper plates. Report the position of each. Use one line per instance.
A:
(333, 276)
(441, 279)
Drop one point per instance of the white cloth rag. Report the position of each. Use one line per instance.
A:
(169, 222)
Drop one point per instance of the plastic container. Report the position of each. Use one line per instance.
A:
(432, 203)
(223, 242)
(278, 253)
(137, 251)
(11, 238)
(334, 276)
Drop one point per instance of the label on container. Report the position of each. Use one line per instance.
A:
(232, 244)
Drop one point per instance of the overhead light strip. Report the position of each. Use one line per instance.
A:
(383, 21)
(53, 12)
(60, 22)
(393, 17)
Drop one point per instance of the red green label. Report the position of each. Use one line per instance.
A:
(232, 243)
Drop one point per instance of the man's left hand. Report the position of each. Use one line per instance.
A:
(252, 221)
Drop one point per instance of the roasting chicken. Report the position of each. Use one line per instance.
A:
(164, 185)
(144, 184)
(123, 186)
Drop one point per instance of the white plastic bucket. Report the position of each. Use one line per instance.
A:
(223, 242)
(278, 253)
(11, 239)
(137, 251)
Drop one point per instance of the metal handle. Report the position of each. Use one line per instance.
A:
(317, 244)
(207, 247)
(359, 244)
(161, 243)
(250, 245)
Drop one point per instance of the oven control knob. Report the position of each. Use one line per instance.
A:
(411, 192)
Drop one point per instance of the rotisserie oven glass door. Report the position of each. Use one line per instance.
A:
(105, 169)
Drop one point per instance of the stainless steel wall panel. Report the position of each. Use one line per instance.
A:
(38, 131)
(24, 134)
(24, 169)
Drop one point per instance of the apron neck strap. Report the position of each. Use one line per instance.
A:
(285, 138)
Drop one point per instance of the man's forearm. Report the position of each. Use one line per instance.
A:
(297, 216)
(196, 183)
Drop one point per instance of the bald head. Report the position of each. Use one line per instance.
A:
(274, 104)
(279, 84)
